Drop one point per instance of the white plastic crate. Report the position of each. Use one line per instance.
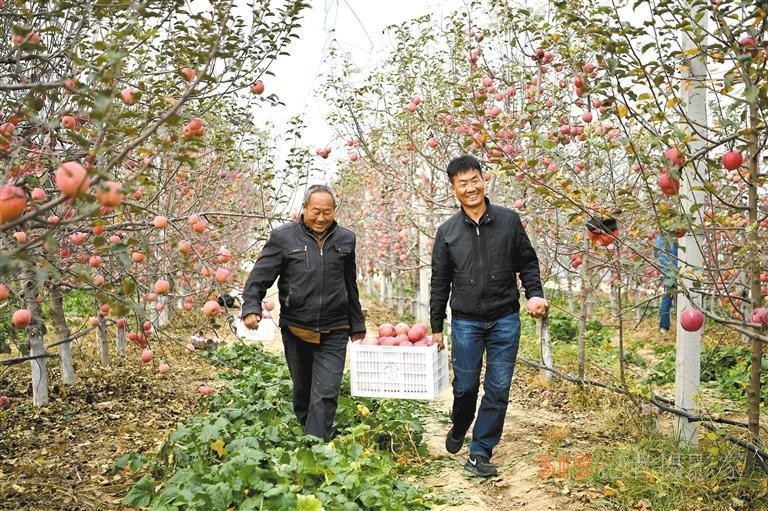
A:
(418, 372)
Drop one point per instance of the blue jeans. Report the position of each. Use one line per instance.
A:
(316, 371)
(665, 308)
(499, 339)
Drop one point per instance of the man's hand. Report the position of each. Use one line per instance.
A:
(359, 336)
(537, 307)
(437, 338)
(251, 321)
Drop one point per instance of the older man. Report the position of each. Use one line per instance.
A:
(319, 304)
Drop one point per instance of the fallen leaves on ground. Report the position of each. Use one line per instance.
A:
(60, 456)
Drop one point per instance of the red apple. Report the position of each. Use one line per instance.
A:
(760, 316)
(402, 329)
(146, 356)
(211, 308)
(162, 287)
(4, 292)
(691, 320)
(386, 330)
(205, 390)
(21, 318)
(127, 96)
(732, 160)
(111, 194)
(163, 368)
(12, 203)
(674, 156)
(187, 73)
(668, 185)
(71, 178)
(257, 87)
(221, 275)
(38, 194)
(68, 122)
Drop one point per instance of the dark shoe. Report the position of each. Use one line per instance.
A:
(453, 445)
(480, 466)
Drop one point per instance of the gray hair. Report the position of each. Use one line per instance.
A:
(318, 189)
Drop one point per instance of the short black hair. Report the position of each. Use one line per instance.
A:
(461, 164)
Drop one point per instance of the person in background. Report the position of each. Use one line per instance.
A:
(477, 257)
(314, 259)
(666, 257)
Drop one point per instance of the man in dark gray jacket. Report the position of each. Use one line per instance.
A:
(477, 256)
(319, 304)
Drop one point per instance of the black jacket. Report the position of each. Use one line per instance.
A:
(478, 264)
(317, 288)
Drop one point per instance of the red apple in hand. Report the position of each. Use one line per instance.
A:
(537, 307)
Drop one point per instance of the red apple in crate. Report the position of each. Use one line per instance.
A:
(402, 338)
(369, 340)
(402, 328)
(691, 320)
(386, 330)
(415, 333)
(388, 341)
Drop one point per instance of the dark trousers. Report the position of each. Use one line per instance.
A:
(316, 371)
(499, 340)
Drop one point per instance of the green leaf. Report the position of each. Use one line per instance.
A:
(142, 492)
(309, 503)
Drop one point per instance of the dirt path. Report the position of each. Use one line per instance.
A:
(532, 427)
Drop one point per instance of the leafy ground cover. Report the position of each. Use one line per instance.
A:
(249, 452)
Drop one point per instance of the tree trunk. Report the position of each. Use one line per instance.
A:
(36, 346)
(584, 313)
(688, 344)
(120, 342)
(547, 357)
(62, 332)
(103, 343)
(754, 390)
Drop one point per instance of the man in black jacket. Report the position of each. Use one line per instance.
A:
(478, 254)
(319, 304)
